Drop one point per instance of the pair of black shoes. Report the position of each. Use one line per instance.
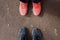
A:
(23, 33)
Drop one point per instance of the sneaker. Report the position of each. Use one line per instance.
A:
(23, 8)
(23, 34)
(36, 34)
(36, 7)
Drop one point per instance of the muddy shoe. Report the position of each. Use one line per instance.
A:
(36, 7)
(36, 34)
(23, 7)
(23, 34)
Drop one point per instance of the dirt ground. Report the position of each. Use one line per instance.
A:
(11, 21)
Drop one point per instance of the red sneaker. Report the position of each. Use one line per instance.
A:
(36, 8)
(23, 7)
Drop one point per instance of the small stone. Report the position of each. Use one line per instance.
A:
(31, 25)
(8, 25)
(55, 30)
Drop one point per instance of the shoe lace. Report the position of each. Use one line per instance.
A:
(23, 5)
(36, 6)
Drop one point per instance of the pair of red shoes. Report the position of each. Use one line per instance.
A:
(23, 8)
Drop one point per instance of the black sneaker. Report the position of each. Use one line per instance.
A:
(23, 34)
(36, 34)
